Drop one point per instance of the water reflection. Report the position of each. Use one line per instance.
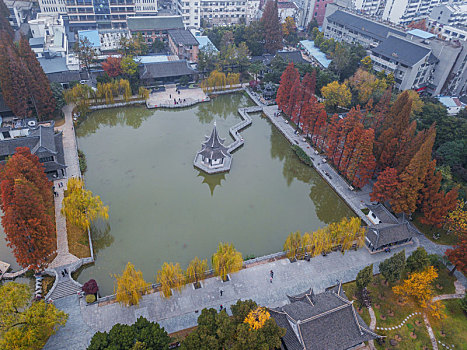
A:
(206, 112)
(114, 117)
(101, 237)
(212, 181)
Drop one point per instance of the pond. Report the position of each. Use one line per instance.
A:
(162, 209)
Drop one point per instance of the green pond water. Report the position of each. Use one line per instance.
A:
(163, 209)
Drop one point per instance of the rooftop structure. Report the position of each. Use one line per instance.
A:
(294, 57)
(287, 9)
(315, 53)
(183, 44)
(168, 71)
(213, 157)
(154, 23)
(387, 230)
(349, 27)
(453, 104)
(205, 44)
(321, 321)
(40, 139)
(92, 35)
(49, 36)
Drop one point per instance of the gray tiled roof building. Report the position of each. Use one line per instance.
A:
(321, 321)
(42, 141)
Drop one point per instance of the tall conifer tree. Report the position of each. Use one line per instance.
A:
(272, 27)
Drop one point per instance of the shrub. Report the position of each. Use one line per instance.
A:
(82, 162)
(365, 211)
(302, 155)
(463, 303)
(90, 298)
(418, 260)
(90, 287)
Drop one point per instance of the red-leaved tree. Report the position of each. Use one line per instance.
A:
(26, 201)
(112, 66)
(288, 78)
(386, 186)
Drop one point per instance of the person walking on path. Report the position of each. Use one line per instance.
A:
(221, 308)
(271, 273)
(221, 292)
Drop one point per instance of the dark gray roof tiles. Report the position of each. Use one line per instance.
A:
(362, 25)
(165, 69)
(329, 322)
(154, 23)
(46, 138)
(291, 56)
(402, 51)
(183, 37)
(383, 214)
(290, 339)
(384, 234)
(213, 147)
(64, 77)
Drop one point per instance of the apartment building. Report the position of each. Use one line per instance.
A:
(352, 28)
(217, 12)
(49, 37)
(397, 11)
(412, 64)
(98, 14)
(450, 14)
(418, 59)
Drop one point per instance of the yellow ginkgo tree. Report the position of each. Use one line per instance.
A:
(256, 318)
(130, 286)
(80, 206)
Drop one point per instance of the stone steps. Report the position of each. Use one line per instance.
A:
(64, 288)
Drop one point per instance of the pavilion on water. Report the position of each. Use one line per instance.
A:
(213, 157)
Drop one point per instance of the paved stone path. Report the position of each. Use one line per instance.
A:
(431, 334)
(64, 257)
(372, 325)
(182, 309)
(166, 98)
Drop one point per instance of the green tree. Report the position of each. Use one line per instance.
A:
(418, 261)
(364, 277)
(226, 260)
(140, 335)
(24, 325)
(58, 94)
(129, 66)
(392, 268)
(87, 54)
(218, 331)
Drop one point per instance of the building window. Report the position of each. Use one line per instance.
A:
(46, 159)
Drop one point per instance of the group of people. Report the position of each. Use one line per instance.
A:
(60, 185)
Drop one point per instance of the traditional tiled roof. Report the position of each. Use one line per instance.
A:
(165, 69)
(154, 23)
(64, 77)
(384, 234)
(43, 142)
(182, 37)
(362, 25)
(401, 50)
(383, 214)
(321, 321)
(213, 147)
(291, 56)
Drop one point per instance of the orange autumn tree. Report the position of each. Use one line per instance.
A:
(26, 201)
(288, 78)
(419, 287)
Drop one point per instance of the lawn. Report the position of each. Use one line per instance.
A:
(429, 231)
(78, 242)
(390, 312)
(452, 330)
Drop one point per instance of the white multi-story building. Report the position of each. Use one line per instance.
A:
(216, 12)
(49, 37)
(450, 14)
(98, 14)
(397, 11)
